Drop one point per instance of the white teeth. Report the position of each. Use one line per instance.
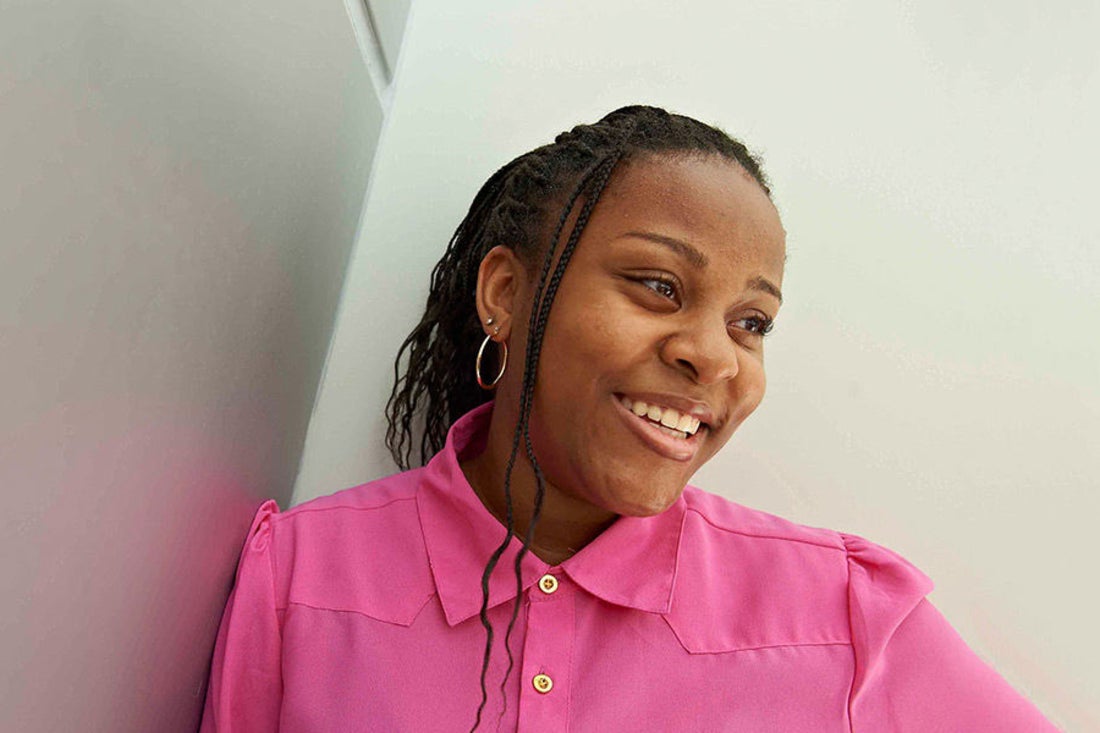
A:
(666, 416)
(674, 433)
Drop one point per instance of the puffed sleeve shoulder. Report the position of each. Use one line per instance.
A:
(245, 690)
(913, 672)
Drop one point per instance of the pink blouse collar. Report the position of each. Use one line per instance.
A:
(633, 563)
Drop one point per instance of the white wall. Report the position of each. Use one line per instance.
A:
(933, 375)
(180, 187)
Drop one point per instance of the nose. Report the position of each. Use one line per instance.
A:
(704, 350)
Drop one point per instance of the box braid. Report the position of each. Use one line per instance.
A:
(514, 208)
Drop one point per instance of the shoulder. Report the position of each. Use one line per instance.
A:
(355, 550)
(345, 515)
(732, 526)
(367, 497)
(774, 582)
(379, 515)
(721, 516)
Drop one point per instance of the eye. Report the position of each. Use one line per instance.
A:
(663, 286)
(759, 325)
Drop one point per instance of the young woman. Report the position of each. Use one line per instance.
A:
(594, 334)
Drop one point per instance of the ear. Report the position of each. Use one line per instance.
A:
(501, 281)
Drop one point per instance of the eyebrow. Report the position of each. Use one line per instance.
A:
(698, 260)
(762, 283)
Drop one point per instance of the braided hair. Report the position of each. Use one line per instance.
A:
(525, 206)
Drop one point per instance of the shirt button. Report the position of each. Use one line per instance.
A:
(542, 683)
(548, 584)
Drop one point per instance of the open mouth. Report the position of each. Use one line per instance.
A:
(674, 422)
(666, 431)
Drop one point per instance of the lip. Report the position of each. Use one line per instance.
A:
(678, 449)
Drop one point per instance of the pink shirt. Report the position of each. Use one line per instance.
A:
(359, 612)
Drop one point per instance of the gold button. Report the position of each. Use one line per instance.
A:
(548, 584)
(542, 683)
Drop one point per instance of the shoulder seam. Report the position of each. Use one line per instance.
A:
(295, 511)
(707, 519)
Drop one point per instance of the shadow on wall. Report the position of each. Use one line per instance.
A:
(180, 193)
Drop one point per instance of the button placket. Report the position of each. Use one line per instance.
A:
(547, 656)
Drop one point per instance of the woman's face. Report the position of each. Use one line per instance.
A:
(660, 307)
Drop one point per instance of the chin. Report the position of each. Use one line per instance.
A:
(648, 506)
(631, 490)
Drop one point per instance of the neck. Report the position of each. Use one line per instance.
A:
(566, 524)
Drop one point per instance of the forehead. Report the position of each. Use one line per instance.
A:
(708, 201)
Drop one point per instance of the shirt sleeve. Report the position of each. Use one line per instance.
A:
(245, 690)
(913, 672)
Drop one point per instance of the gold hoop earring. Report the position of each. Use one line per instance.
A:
(503, 362)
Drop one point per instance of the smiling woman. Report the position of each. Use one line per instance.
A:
(657, 306)
(627, 275)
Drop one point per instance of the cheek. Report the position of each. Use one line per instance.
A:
(749, 391)
(746, 394)
(586, 345)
